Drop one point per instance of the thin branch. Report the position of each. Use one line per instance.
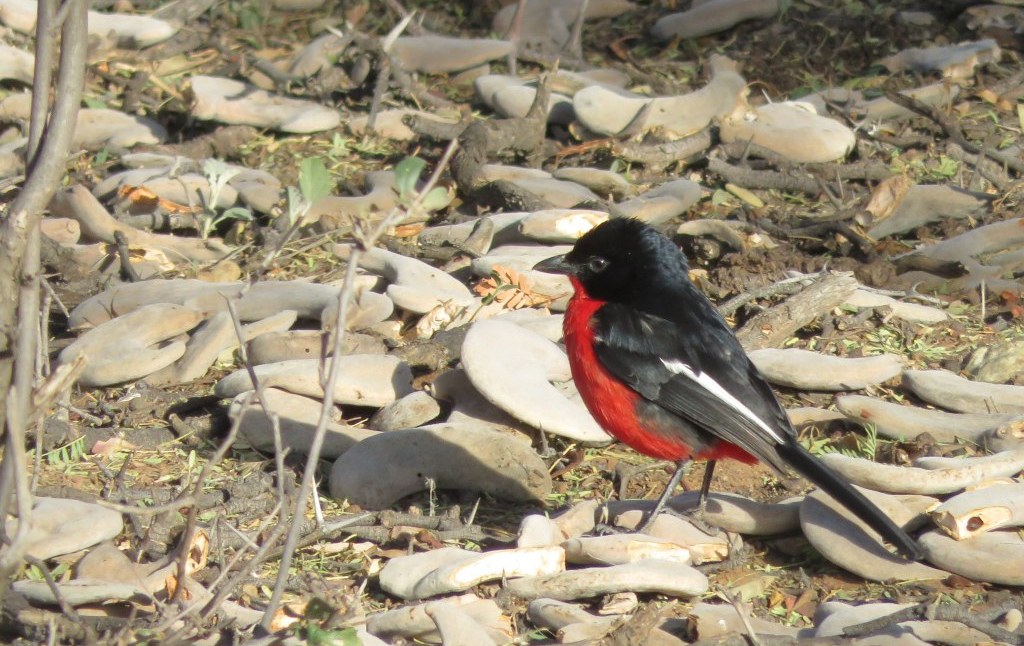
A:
(225, 571)
(786, 286)
(65, 607)
(929, 611)
(42, 76)
(19, 240)
(365, 241)
(174, 505)
(275, 421)
(185, 544)
(954, 131)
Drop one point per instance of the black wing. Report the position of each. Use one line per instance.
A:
(696, 369)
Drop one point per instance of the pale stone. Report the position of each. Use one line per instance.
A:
(380, 470)
(229, 101)
(515, 369)
(363, 379)
(61, 526)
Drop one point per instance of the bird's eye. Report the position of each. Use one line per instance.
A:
(597, 264)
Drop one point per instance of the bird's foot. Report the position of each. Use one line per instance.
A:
(696, 516)
(693, 516)
(648, 523)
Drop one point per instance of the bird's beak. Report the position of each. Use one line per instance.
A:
(555, 265)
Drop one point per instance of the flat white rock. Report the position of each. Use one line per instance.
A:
(414, 285)
(297, 420)
(651, 575)
(129, 30)
(712, 17)
(451, 569)
(907, 422)
(906, 311)
(791, 130)
(382, 469)
(992, 557)
(441, 54)
(230, 101)
(950, 391)
(61, 526)
(845, 540)
(807, 370)
(132, 346)
(515, 370)
(364, 379)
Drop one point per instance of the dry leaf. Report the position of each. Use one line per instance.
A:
(988, 96)
(409, 230)
(288, 614)
(198, 552)
(107, 448)
(510, 288)
(887, 196)
(147, 200)
(171, 584)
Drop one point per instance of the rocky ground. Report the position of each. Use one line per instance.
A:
(866, 246)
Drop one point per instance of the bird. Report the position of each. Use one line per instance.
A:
(661, 371)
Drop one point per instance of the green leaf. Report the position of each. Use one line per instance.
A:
(339, 146)
(948, 166)
(315, 181)
(317, 636)
(318, 610)
(720, 197)
(214, 168)
(249, 19)
(436, 199)
(407, 173)
(236, 213)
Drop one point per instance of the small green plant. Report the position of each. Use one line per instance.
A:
(867, 445)
(247, 14)
(942, 168)
(71, 452)
(500, 285)
(315, 183)
(339, 148)
(407, 176)
(218, 174)
(33, 573)
(816, 445)
(788, 617)
(315, 627)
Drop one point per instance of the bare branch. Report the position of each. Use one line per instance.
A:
(344, 300)
(19, 255)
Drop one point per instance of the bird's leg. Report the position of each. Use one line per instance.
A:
(705, 486)
(682, 467)
(694, 516)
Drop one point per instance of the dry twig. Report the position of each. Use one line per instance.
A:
(20, 250)
(364, 240)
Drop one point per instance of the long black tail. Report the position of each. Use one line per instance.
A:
(834, 485)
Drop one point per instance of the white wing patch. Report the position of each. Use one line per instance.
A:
(705, 381)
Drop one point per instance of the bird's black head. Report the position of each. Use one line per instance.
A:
(620, 261)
